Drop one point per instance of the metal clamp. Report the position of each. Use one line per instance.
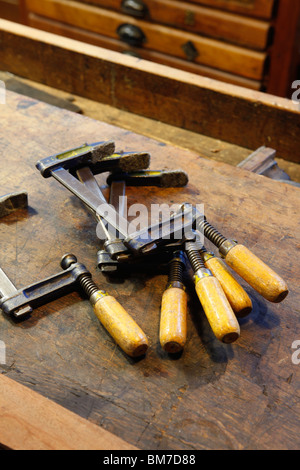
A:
(20, 303)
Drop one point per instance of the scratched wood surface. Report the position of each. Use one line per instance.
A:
(213, 396)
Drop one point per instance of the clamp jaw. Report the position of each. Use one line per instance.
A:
(20, 303)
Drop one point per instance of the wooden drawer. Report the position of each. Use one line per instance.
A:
(199, 19)
(208, 52)
(256, 8)
(56, 27)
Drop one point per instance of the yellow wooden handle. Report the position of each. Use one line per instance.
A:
(238, 298)
(217, 309)
(172, 332)
(121, 326)
(258, 275)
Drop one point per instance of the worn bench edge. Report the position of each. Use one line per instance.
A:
(29, 421)
(227, 112)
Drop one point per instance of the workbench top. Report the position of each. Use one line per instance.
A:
(212, 396)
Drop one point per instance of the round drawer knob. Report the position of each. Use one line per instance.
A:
(134, 7)
(131, 34)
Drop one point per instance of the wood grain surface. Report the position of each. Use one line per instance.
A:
(230, 58)
(188, 101)
(30, 421)
(89, 37)
(218, 24)
(212, 396)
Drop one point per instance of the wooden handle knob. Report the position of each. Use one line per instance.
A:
(238, 298)
(121, 326)
(258, 275)
(217, 309)
(172, 332)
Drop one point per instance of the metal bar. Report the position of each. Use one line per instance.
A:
(8, 289)
(116, 223)
(40, 292)
(138, 242)
(86, 177)
(164, 232)
(117, 196)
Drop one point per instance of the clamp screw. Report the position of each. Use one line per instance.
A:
(192, 252)
(210, 232)
(177, 266)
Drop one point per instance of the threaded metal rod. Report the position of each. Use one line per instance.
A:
(176, 269)
(211, 233)
(194, 257)
(88, 285)
(202, 250)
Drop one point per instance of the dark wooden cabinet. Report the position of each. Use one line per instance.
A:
(196, 18)
(243, 42)
(11, 10)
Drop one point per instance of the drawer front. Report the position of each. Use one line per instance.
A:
(257, 8)
(199, 19)
(73, 32)
(183, 45)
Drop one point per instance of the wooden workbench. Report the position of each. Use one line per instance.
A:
(213, 396)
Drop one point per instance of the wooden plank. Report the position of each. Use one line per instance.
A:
(257, 8)
(212, 53)
(217, 24)
(29, 421)
(56, 27)
(237, 115)
(18, 86)
(207, 147)
(213, 396)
